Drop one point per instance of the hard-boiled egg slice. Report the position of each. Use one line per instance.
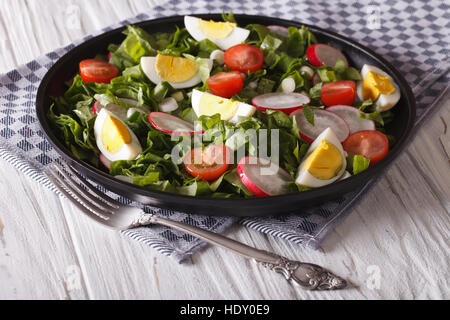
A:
(114, 139)
(324, 162)
(378, 86)
(178, 71)
(207, 104)
(224, 34)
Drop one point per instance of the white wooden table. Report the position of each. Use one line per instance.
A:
(394, 245)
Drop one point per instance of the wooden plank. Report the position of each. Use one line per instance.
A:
(37, 258)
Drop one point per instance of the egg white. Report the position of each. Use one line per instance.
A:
(148, 65)
(243, 110)
(128, 151)
(304, 178)
(384, 101)
(237, 36)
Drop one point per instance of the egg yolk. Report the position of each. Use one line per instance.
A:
(114, 134)
(324, 162)
(216, 30)
(175, 69)
(375, 84)
(211, 104)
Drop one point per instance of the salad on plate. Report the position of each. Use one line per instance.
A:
(221, 110)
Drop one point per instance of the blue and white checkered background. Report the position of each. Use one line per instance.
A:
(413, 35)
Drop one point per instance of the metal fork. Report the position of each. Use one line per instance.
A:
(114, 215)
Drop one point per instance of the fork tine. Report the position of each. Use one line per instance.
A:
(89, 186)
(79, 196)
(95, 201)
(81, 207)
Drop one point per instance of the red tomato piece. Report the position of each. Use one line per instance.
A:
(244, 58)
(226, 84)
(207, 163)
(93, 70)
(370, 144)
(342, 92)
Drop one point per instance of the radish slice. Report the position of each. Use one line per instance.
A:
(96, 107)
(351, 116)
(171, 124)
(105, 161)
(323, 54)
(286, 102)
(322, 120)
(279, 30)
(263, 177)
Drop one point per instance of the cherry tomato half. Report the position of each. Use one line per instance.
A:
(370, 144)
(226, 84)
(342, 92)
(93, 70)
(244, 58)
(207, 163)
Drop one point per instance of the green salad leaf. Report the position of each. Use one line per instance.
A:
(257, 33)
(296, 43)
(357, 163)
(375, 116)
(78, 139)
(203, 66)
(308, 112)
(205, 48)
(137, 44)
(228, 17)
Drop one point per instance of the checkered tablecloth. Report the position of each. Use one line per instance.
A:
(413, 35)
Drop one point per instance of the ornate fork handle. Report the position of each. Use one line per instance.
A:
(308, 276)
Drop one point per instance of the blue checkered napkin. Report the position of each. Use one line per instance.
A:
(413, 35)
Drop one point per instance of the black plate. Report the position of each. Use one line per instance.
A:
(358, 55)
